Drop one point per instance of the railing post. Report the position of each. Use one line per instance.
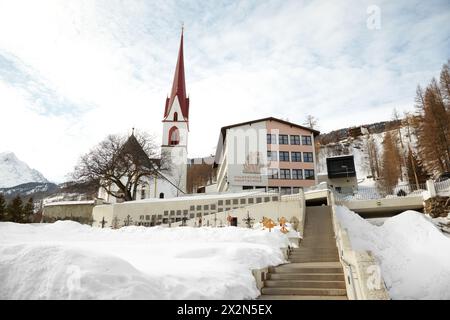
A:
(431, 188)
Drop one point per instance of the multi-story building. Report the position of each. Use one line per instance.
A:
(271, 154)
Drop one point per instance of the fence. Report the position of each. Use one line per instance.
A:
(378, 192)
(442, 186)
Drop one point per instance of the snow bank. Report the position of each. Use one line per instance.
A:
(413, 254)
(67, 260)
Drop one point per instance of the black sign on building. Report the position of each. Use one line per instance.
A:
(341, 167)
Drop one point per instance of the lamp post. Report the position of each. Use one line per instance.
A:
(346, 169)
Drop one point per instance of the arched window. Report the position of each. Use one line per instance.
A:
(174, 136)
(175, 116)
(161, 195)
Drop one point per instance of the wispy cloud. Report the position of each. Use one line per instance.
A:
(42, 99)
(88, 68)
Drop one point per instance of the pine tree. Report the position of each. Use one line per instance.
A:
(390, 163)
(416, 171)
(28, 211)
(2, 208)
(14, 210)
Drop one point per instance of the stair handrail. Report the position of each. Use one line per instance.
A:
(347, 264)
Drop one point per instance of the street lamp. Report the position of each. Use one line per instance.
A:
(346, 169)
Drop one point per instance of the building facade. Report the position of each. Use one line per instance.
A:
(270, 154)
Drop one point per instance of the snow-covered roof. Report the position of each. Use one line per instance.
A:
(67, 203)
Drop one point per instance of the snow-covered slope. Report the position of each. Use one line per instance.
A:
(359, 148)
(14, 172)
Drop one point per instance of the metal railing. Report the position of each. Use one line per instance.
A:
(374, 193)
(442, 185)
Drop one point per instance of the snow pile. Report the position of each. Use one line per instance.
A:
(414, 255)
(67, 260)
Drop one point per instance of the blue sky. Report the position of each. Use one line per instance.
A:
(74, 71)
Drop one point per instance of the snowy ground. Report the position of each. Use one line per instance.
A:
(414, 255)
(66, 260)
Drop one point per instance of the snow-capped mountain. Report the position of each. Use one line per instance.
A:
(14, 172)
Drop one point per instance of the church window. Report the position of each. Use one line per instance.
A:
(161, 195)
(174, 136)
(175, 116)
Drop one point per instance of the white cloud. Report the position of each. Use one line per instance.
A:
(114, 61)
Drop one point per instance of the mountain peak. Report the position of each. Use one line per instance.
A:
(14, 172)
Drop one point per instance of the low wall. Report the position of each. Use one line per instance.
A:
(363, 278)
(77, 211)
(290, 207)
(101, 212)
(385, 204)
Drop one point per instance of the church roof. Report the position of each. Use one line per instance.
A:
(178, 86)
(133, 146)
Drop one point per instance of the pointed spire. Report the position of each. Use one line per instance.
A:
(179, 84)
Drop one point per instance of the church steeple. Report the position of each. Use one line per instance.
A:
(178, 86)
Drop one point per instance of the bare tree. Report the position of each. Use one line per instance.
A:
(122, 162)
(311, 122)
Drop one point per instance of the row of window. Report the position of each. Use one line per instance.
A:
(285, 139)
(281, 190)
(294, 156)
(288, 174)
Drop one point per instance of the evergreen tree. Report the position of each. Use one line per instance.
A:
(390, 163)
(28, 211)
(2, 208)
(14, 210)
(415, 169)
(433, 123)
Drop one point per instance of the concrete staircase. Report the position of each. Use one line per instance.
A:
(314, 271)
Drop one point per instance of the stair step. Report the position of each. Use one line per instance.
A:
(293, 297)
(314, 259)
(304, 291)
(304, 284)
(306, 276)
(305, 270)
(313, 254)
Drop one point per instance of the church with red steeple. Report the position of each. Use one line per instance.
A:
(176, 123)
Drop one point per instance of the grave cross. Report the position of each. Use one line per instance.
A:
(128, 221)
(248, 221)
(183, 221)
(103, 222)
